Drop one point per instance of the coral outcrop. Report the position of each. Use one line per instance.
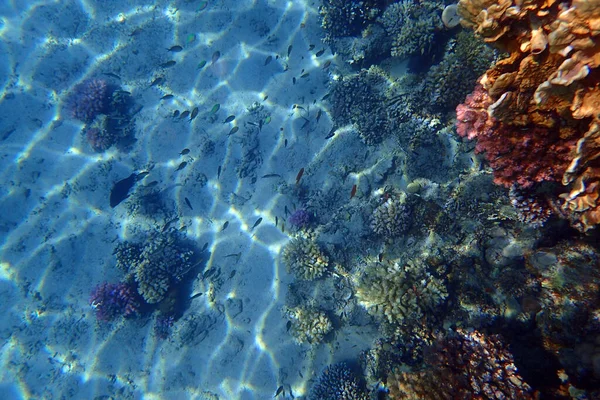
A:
(308, 324)
(392, 217)
(471, 365)
(534, 113)
(338, 382)
(396, 292)
(304, 259)
(89, 99)
(111, 300)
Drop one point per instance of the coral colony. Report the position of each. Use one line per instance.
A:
(112, 300)
(300, 218)
(89, 99)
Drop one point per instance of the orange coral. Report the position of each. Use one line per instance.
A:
(549, 87)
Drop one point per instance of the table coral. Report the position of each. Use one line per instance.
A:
(533, 112)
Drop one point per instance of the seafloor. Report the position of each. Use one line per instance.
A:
(276, 199)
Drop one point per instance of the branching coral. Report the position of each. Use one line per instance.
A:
(338, 382)
(469, 366)
(111, 300)
(535, 113)
(391, 218)
(309, 325)
(397, 292)
(304, 259)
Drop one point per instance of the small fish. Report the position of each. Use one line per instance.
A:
(282, 227)
(209, 273)
(187, 201)
(319, 113)
(167, 97)
(276, 221)
(288, 326)
(279, 390)
(152, 184)
(202, 5)
(267, 120)
(327, 64)
(352, 192)
(257, 223)
(120, 190)
(380, 257)
(201, 64)
(271, 176)
(299, 176)
(285, 143)
(311, 47)
(184, 152)
(330, 134)
(168, 64)
(320, 53)
(195, 295)
(157, 81)
(181, 166)
(300, 373)
(232, 274)
(294, 80)
(326, 96)
(268, 60)
(204, 247)
(233, 130)
(168, 224)
(175, 49)
(229, 119)
(184, 114)
(238, 255)
(112, 75)
(289, 50)
(194, 113)
(225, 225)
(215, 108)
(175, 113)
(215, 57)
(219, 172)
(304, 75)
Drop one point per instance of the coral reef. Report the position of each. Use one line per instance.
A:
(304, 259)
(89, 99)
(533, 112)
(308, 324)
(111, 300)
(159, 263)
(299, 218)
(412, 26)
(357, 99)
(338, 382)
(341, 18)
(392, 217)
(471, 365)
(398, 292)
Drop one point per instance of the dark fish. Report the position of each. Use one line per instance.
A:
(194, 113)
(184, 114)
(279, 390)
(327, 64)
(157, 81)
(304, 75)
(311, 47)
(175, 49)
(168, 224)
(266, 97)
(112, 75)
(268, 60)
(215, 57)
(219, 172)
(257, 223)
(238, 255)
(225, 225)
(184, 152)
(282, 227)
(201, 64)
(319, 113)
(289, 50)
(215, 108)
(326, 96)
(233, 130)
(294, 80)
(195, 295)
(175, 113)
(120, 190)
(204, 247)
(285, 143)
(320, 53)
(229, 119)
(271, 176)
(168, 64)
(232, 274)
(181, 166)
(152, 184)
(209, 273)
(187, 201)
(330, 134)
(353, 192)
(288, 326)
(299, 176)
(167, 97)
(276, 221)
(380, 257)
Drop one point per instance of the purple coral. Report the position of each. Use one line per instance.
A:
(89, 99)
(163, 326)
(300, 218)
(114, 299)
